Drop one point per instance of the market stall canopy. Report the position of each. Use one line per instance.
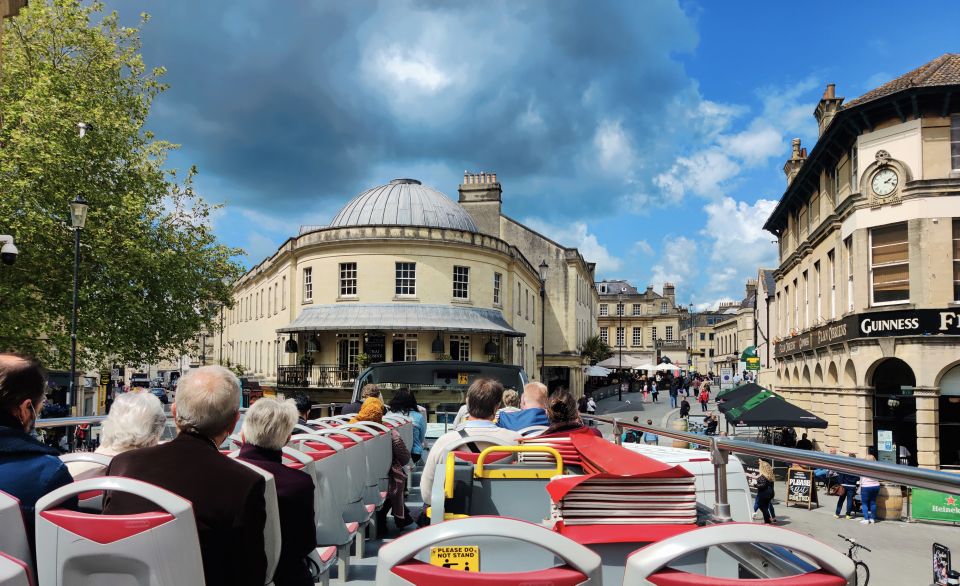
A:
(647, 366)
(400, 316)
(629, 362)
(597, 371)
(667, 366)
(768, 409)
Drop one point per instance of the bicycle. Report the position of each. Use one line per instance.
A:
(862, 574)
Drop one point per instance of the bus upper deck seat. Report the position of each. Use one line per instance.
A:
(92, 501)
(502, 544)
(455, 471)
(159, 548)
(271, 530)
(533, 430)
(650, 565)
(404, 426)
(380, 450)
(13, 537)
(14, 572)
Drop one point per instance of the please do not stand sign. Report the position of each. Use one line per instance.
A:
(801, 488)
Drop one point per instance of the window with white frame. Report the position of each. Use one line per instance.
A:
(533, 303)
(604, 335)
(497, 282)
(620, 337)
(848, 248)
(786, 310)
(270, 300)
(276, 308)
(635, 309)
(526, 299)
(603, 288)
(410, 343)
(889, 264)
(663, 307)
(517, 301)
(619, 309)
(653, 335)
(348, 279)
(308, 284)
(956, 259)
(806, 299)
(955, 142)
(816, 287)
(796, 305)
(406, 279)
(669, 332)
(831, 266)
(603, 310)
(461, 282)
(460, 348)
(283, 293)
(637, 340)
(853, 169)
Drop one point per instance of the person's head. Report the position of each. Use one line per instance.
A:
(511, 398)
(403, 401)
(207, 401)
(303, 404)
(483, 398)
(803, 436)
(368, 391)
(562, 408)
(833, 451)
(534, 396)
(136, 420)
(268, 423)
(766, 470)
(371, 410)
(649, 422)
(22, 386)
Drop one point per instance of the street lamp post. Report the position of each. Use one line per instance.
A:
(693, 333)
(620, 343)
(78, 218)
(543, 322)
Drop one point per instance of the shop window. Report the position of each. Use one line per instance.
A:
(348, 279)
(406, 279)
(889, 264)
(405, 347)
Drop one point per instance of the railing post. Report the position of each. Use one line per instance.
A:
(617, 431)
(719, 459)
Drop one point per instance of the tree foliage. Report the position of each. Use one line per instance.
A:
(596, 349)
(152, 274)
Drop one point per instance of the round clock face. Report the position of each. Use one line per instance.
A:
(885, 182)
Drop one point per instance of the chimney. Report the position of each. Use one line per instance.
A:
(793, 164)
(827, 108)
(481, 196)
(669, 291)
(751, 287)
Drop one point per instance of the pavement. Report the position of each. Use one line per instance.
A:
(901, 551)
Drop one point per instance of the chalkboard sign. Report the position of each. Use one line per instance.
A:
(801, 489)
(375, 346)
(941, 564)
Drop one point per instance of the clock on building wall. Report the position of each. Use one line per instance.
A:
(884, 182)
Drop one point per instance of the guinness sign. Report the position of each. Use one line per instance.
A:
(913, 322)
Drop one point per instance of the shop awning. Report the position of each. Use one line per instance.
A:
(345, 317)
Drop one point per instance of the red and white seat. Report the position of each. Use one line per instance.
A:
(397, 564)
(93, 500)
(271, 530)
(649, 565)
(14, 572)
(13, 536)
(159, 548)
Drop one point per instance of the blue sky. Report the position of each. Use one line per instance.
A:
(651, 134)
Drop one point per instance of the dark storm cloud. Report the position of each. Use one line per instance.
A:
(295, 101)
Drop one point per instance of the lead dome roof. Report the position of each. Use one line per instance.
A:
(404, 202)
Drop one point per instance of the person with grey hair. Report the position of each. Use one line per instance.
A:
(136, 420)
(266, 429)
(228, 498)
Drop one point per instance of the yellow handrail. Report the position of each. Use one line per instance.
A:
(515, 471)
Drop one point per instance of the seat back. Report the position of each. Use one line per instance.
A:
(403, 425)
(159, 548)
(91, 501)
(272, 529)
(345, 469)
(648, 565)
(497, 538)
(13, 572)
(327, 511)
(322, 422)
(448, 473)
(533, 430)
(13, 537)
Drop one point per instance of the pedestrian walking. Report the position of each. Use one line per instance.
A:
(591, 405)
(847, 484)
(684, 408)
(704, 397)
(673, 397)
(766, 492)
(655, 394)
(869, 489)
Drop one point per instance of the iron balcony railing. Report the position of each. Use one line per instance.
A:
(315, 376)
(720, 448)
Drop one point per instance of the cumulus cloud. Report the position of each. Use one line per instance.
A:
(678, 263)
(642, 247)
(578, 235)
(738, 245)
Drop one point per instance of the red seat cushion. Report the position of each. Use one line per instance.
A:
(352, 527)
(671, 577)
(327, 553)
(423, 574)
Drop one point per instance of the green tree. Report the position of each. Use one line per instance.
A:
(152, 272)
(596, 349)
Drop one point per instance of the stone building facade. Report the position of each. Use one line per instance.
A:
(644, 325)
(867, 289)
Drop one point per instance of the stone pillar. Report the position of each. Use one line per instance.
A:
(849, 418)
(830, 413)
(865, 420)
(928, 427)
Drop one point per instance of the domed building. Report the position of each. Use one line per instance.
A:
(402, 273)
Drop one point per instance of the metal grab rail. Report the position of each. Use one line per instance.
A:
(720, 447)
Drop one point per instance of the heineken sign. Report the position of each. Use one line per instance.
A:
(934, 506)
(911, 322)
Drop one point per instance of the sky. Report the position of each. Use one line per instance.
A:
(649, 134)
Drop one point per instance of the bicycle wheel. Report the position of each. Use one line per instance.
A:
(862, 573)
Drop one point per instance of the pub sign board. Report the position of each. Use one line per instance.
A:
(908, 322)
(801, 489)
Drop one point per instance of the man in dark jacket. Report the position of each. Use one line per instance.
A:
(848, 483)
(28, 469)
(227, 497)
(266, 429)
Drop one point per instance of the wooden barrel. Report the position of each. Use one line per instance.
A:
(889, 502)
(679, 424)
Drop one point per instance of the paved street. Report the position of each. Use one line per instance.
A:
(901, 551)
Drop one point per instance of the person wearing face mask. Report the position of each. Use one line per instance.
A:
(28, 468)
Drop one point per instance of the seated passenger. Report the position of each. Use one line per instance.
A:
(483, 398)
(367, 392)
(511, 401)
(405, 403)
(227, 496)
(304, 405)
(533, 409)
(372, 410)
(266, 429)
(136, 420)
(28, 468)
(564, 416)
